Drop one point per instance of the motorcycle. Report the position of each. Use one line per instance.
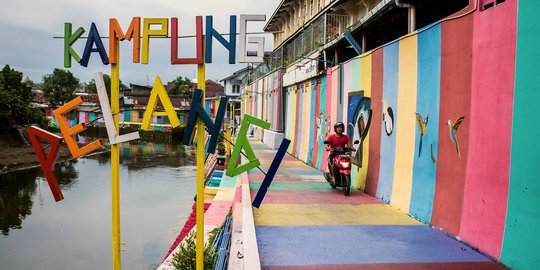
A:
(341, 166)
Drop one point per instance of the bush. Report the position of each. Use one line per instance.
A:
(185, 258)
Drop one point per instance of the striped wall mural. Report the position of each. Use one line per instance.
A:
(453, 139)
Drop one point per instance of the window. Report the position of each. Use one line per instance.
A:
(320, 5)
(141, 114)
(236, 89)
(311, 7)
(487, 4)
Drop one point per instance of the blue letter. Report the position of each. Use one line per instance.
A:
(231, 45)
(93, 37)
(213, 128)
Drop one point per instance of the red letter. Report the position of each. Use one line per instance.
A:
(46, 162)
(174, 44)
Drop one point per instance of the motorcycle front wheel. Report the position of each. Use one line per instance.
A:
(346, 184)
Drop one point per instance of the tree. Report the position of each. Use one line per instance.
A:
(16, 101)
(182, 86)
(59, 87)
(91, 86)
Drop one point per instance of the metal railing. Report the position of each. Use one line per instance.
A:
(318, 33)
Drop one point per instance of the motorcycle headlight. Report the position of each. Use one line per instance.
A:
(345, 164)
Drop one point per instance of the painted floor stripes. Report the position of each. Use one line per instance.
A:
(304, 224)
(306, 197)
(372, 244)
(287, 178)
(296, 186)
(394, 266)
(329, 214)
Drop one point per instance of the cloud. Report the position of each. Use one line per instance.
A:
(27, 28)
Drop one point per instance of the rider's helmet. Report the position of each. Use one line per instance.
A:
(339, 124)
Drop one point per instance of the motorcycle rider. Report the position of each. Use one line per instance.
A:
(335, 141)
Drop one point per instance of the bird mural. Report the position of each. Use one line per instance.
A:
(453, 128)
(388, 118)
(422, 124)
(432, 155)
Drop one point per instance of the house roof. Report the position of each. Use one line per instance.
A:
(213, 89)
(179, 102)
(237, 73)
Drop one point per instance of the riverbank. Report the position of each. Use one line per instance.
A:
(16, 152)
(23, 157)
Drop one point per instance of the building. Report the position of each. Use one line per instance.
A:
(233, 85)
(387, 67)
(136, 100)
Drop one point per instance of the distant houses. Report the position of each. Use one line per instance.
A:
(133, 103)
(233, 85)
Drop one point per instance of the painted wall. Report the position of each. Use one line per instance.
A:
(520, 246)
(265, 99)
(453, 139)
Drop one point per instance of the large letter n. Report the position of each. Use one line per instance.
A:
(198, 110)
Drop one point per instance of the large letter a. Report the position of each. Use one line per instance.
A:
(46, 162)
(242, 142)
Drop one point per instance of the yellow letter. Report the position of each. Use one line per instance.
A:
(147, 33)
(159, 90)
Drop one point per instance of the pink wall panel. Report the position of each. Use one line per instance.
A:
(377, 72)
(488, 168)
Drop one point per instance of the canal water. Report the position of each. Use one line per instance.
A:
(157, 193)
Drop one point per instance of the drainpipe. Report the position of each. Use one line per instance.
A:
(411, 14)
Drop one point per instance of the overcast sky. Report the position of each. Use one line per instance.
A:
(27, 28)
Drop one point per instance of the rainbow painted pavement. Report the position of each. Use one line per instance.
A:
(304, 224)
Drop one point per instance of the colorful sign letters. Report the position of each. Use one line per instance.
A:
(158, 92)
(159, 27)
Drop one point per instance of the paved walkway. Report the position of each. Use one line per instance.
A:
(304, 224)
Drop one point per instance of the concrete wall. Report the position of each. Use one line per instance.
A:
(478, 179)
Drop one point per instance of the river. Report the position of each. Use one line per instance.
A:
(157, 183)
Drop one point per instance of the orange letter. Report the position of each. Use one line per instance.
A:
(68, 132)
(116, 34)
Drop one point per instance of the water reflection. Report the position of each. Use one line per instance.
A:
(65, 173)
(16, 192)
(137, 155)
(157, 188)
(140, 155)
(18, 188)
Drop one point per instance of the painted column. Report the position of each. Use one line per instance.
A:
(372, 174)
(427, 103)
(388, 137)
(322, 116)
(365, 84)
(520, 247)
(406, 122)
(456, 70)
(488, 168)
